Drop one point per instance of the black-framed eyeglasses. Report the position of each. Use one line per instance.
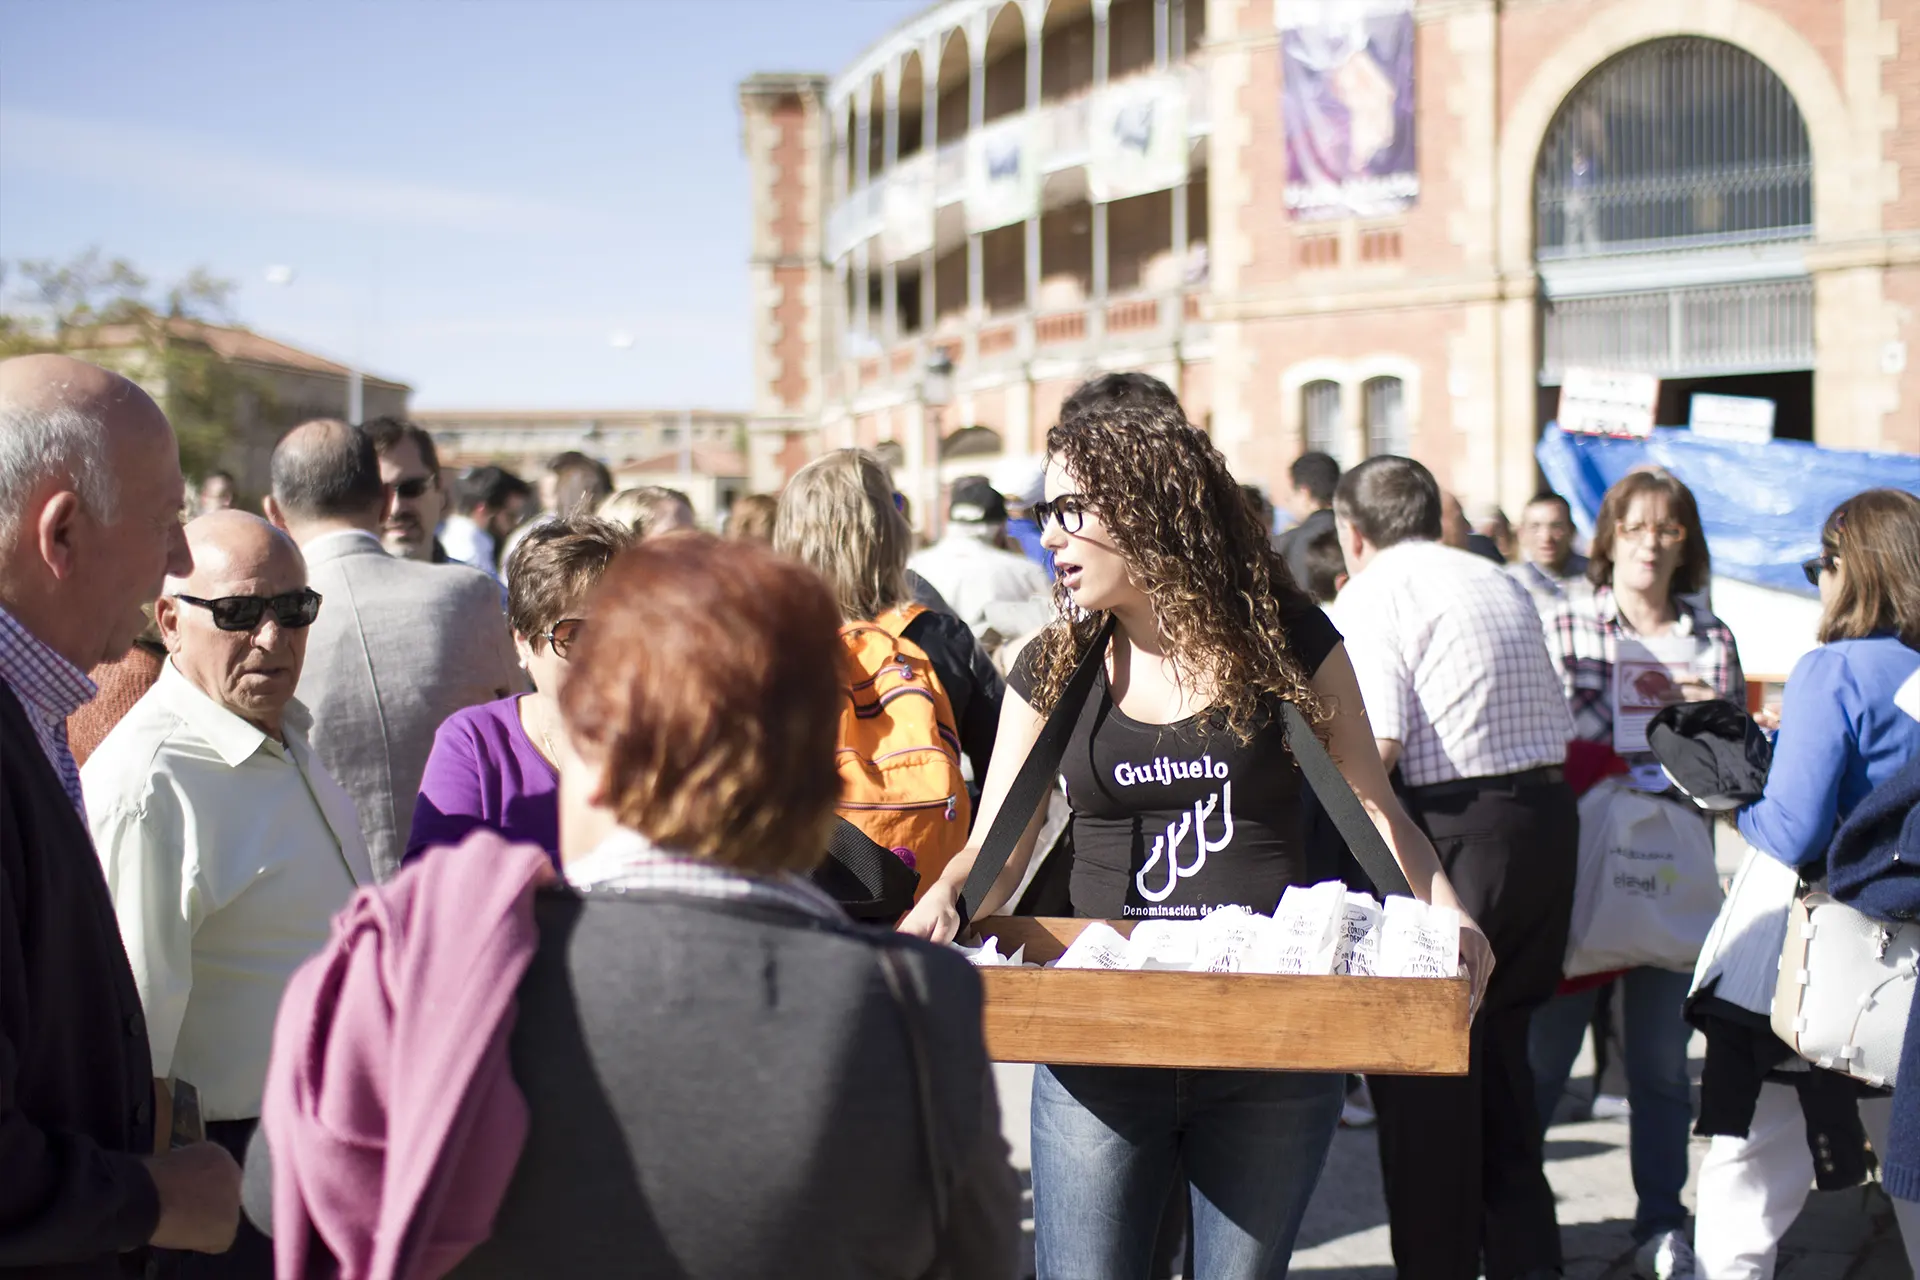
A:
(411, 489)
(1069, 510)
(561, 635)
(296, 609)
(1822, 563)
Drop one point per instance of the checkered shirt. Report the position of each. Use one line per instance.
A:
(50, 689)
(627, 860)
(1583, 635)
(1452, 665)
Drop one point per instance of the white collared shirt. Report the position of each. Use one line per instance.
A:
(467, 543)
(227, 854)
(1452, 664)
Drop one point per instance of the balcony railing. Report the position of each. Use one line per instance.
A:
(997, 342)
(1062, 139)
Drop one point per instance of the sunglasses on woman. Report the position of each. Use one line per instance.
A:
(295, 609)
(1822, 563)
(1069, 510)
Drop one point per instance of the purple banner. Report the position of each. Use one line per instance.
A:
(1346, 71)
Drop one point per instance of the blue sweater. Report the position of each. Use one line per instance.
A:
(1840, 737)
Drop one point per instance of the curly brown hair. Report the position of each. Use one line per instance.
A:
(1191, 542)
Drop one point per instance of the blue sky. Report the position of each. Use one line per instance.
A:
(473, 194)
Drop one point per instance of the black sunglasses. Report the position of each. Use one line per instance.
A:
(1069, 510)
(562, 634)
(1814, 567)
(411, 489)
(243, 613)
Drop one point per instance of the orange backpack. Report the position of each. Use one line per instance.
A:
(899, 754)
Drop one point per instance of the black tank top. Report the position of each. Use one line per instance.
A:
(1173, 820)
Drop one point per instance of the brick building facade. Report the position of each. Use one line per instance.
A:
(1725, 193)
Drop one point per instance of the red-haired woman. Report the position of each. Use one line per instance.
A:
(711, 1073)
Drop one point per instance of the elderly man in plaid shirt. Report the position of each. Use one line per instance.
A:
(1464, 700)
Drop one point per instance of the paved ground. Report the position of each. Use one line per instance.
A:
(1841, 1236)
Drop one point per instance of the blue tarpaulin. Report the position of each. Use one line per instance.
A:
(1762, 505)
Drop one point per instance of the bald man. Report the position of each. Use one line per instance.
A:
(89, 528)
(404, 644)
(226, 846)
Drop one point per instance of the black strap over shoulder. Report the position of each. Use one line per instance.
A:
(1042, 765)
(1035, 778)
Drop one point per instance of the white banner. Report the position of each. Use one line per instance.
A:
(906, 210)
(1003, 175)
(1138, 141)
(1605, 403)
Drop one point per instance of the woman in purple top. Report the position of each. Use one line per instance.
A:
(493, 765)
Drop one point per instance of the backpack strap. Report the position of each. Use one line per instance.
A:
(1035, 778)
(896, 620)
(1042, 765)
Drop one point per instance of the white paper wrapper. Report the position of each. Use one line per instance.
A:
(1163, 944)
(1307, 924)
(1235, 940)
(988, 956)
(1419, 941)
(1099, 946)
(1356, 950)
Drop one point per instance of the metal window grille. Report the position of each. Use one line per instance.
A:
(1673, 144)
(1702, 331)
(1320, 410)
(1386, 409)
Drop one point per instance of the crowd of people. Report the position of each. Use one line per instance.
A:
(441, 853)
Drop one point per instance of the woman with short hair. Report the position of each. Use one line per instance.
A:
(686, 1061)
(1149, 528)
(496, 765)
(1843, 732)
(1636, 636)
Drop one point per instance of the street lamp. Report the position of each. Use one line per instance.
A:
(936, 392)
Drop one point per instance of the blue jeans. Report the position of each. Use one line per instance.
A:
(1659, 1089)
(1107, 1141)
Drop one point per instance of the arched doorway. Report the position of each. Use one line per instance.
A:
(1673, 195)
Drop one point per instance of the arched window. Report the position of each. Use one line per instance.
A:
(1384, 400)
(1320, 411)
(1673, 144)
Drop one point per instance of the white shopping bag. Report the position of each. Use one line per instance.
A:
(1648, 891)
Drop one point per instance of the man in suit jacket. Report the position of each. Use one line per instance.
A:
(399, 645)
(89, 528)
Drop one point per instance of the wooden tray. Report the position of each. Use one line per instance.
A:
(1097, 1017)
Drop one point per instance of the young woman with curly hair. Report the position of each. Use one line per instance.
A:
(1147, 525)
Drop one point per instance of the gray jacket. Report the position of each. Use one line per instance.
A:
(719, 1090)
(399, 646)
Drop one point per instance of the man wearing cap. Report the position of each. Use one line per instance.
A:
(998, 593)
(1023, 482)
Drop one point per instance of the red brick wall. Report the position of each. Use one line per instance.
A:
(792, 351)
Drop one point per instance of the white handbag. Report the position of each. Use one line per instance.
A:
(1846, 986)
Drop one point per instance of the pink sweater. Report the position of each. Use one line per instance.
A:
(390, 1107)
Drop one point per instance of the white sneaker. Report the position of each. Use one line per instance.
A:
(1611, 1106)
(1358, 1112)
(1666, 1256)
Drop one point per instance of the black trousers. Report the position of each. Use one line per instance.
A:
(1461, 1156)
(251, 1257)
